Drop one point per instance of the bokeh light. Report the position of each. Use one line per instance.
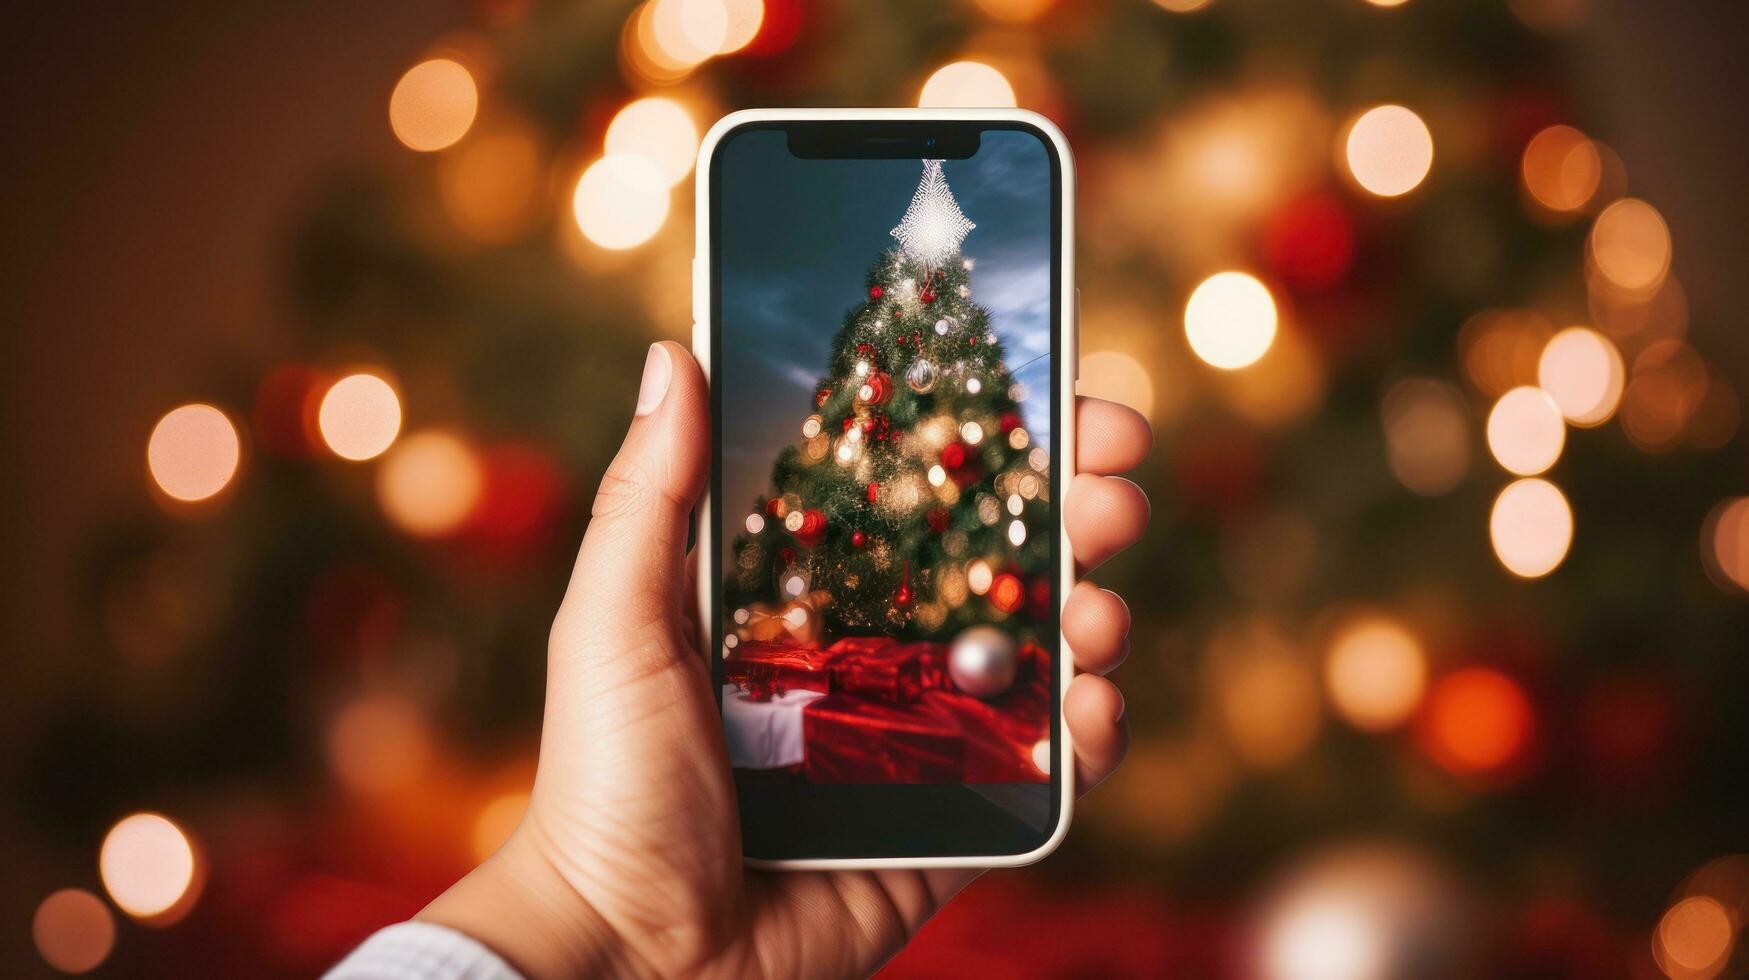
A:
(745, 18)
(73, 930)
(1477, 722)
(1502, 348)
(1531, 527)
(1694, 937)
(1375, 673)
(433, 105)
(492, 185)
(1583, 372)
(1427, 435)
(1361, 911)
(1561, 169)
(147, 864)
(1266, 694)
(1183, 6)
(1526, 431)
(1630, 247)
(1387, 3)
(1331, 937)
(1667, 386)
(496, 822)
(689, 31)
(1230, 320)
(966, 84)
(378, 744)
(620, 201)
(1389, 150)
(193, 452)
(1116, 376)
(659, 130)
(429, 484)
(360, 416)
(1015, 11)
(1724, 543)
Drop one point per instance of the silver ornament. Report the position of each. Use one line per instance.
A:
(943, 325)
(983, 661)
(922, 375)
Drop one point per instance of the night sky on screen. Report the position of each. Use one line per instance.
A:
(798, 237)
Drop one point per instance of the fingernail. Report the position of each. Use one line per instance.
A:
(658, 369)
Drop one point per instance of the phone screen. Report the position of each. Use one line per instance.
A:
(885, 501)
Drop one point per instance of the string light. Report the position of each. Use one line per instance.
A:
(1478, 722)
(193, 452)
(1230, 320)
(1531, 527)
(1562, 169)
(967, 85)
(620, 201)
(1582, 371)
(1525, 431)
(1389, 150)
(1375, 673)
(1694, 937)
(1629, 247)
(378, 745)
(359, 417)
(430, 483)
(73, 930)
(659, 130)
(433, 105)
(147, 865)
(1427, 435)
(1724, 543)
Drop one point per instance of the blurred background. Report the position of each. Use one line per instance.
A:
(322, 321)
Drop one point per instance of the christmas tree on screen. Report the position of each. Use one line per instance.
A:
(914, 501)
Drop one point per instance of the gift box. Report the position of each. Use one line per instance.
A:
(874, 667)
(772, 668)
(851, 739)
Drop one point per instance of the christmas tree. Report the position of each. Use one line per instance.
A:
(914, 501)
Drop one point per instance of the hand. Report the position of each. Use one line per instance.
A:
(628, 860)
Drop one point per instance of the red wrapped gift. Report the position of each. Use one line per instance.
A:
(943, 736)
(764, 668)
(853, 739)
(878, 667)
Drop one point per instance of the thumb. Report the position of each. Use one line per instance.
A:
(630, 575)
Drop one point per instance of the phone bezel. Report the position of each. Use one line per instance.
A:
(903, 825)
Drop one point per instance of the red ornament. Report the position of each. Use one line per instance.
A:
(786, 555)
(928, 295)
(876, 292)
(821, 396)
(858, 539)
(1009, 421)
(904, 597)
(1006, 592)
(774, 507)
(874, 490)
(849, 420)
(865, 349)
(868, 425)
(880, 388)
(973, 340)
(813, 527)
(937, 518)
(953, 456)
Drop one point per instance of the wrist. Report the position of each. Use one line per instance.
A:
(519, 906)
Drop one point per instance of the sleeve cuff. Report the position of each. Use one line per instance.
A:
(422, 951)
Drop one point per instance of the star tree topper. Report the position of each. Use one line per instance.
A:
(933, 226)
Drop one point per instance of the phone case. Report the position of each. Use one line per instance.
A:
(1068, 341)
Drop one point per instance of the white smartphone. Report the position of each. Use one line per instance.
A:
(884, 302)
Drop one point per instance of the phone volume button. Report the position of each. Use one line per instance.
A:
(698, 303)
(1077, 351)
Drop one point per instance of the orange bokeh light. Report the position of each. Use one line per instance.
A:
(359, 416)
(193, 453)
(433, 105)
(73, 930)
(1477, 722)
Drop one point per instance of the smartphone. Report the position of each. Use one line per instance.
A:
(884, 303)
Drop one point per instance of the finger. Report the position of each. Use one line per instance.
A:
(1104, 515)
(1109, 437)
(633, 555)
(1097, 625)
(1093, 709)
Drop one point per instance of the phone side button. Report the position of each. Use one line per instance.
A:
(1077, 350)
(698, 304)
